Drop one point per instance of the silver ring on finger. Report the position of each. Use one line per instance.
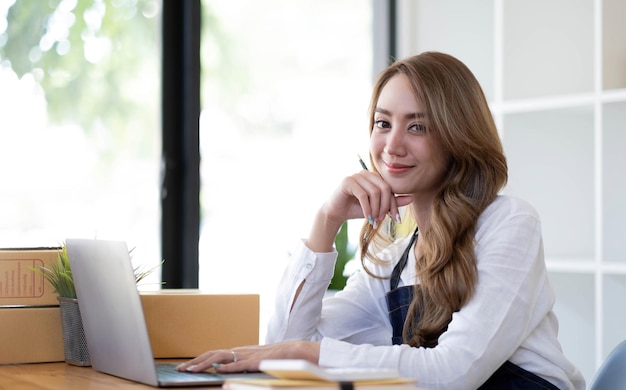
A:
(234, 356)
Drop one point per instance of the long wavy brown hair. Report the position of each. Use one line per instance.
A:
(458, 116)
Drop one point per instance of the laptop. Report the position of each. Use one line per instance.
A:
(113, 319)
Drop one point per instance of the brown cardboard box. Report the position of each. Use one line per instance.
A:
(186, 323)
(20, 283)
(181, 324)
(31, 335)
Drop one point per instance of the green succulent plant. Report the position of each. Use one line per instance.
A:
(60, 277)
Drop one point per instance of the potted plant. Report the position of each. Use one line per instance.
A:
(60, 278)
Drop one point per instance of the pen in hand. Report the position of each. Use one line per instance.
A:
(362, 163)
(369, 217)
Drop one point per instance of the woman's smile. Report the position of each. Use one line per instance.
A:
(396, 168)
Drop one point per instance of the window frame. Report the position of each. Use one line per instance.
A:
(180, 170)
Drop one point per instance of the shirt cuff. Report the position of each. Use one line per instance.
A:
(337, 353)
(313, 266)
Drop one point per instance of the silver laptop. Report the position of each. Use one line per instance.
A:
(113, 319)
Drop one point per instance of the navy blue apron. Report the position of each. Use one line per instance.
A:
(508, 377)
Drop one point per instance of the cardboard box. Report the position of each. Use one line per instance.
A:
(181, 324)
(186, 323)
(20, 283)
(31, 335)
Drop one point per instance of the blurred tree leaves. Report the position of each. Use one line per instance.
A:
(97, 61)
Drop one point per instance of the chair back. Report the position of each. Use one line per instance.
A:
(612, 372)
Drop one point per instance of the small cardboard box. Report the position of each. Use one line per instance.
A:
(186, 323)
(20, 283)
(31, 335)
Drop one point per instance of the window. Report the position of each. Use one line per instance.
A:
(80, 123)
(285, 94)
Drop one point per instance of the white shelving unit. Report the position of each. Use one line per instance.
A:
(555, 75)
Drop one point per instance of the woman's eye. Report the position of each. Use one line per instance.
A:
(381, 124)
(418, 128)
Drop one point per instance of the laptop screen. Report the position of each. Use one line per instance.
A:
(111, 310)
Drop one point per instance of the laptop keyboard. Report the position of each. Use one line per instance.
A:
(168, 372)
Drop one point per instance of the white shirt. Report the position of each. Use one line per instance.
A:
(509, 317)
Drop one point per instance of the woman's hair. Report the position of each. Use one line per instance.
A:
(458, 117)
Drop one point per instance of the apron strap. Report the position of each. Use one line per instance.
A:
(399, 299)
(397, 270)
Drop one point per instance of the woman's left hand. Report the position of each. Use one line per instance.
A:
(242, 359)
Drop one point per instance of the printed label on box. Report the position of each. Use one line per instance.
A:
(19, 278)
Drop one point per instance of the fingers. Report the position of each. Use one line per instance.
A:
(211, 359)
(375, 197)
(224, 360)
(241, 361)
(248, 358)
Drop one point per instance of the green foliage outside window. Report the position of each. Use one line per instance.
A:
(83, 53)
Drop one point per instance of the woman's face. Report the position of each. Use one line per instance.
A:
(405, 154)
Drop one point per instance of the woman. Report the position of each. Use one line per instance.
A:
(463, 301)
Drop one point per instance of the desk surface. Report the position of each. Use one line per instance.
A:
(54, 376)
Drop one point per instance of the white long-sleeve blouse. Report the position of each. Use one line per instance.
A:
(509, 317)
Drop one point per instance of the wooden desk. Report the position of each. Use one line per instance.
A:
(56, 376)
(62, 376)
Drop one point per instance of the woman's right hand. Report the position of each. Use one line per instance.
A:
(362, 195)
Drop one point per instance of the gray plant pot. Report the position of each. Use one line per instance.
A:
(74, 342)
